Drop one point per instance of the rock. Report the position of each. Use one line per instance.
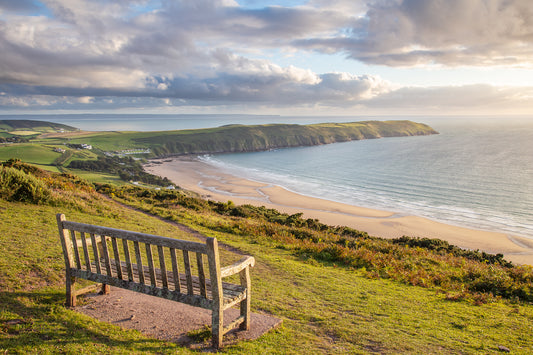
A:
(504, 349)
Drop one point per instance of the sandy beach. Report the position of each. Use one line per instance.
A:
(212, 183)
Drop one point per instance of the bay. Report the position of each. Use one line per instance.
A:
(478, 172)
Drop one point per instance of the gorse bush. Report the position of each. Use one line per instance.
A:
(442, 246)
(16, 185)
(22, 182)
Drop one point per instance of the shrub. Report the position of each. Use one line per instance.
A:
(16, 185)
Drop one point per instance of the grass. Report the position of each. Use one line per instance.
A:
(325, 307)
(98, 177)
(30, 153)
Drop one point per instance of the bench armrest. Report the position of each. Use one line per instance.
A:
(237, 267)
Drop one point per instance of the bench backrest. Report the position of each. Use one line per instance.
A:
(138, 260)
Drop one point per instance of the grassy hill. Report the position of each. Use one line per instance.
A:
(337, 290)
(238, 138)
(31, 127)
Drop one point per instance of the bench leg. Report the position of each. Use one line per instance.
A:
(217, 328)
(245, 304)
(245, 312)
(71, 292)
(105, 289)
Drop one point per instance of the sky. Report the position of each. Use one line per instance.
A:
(295, 57)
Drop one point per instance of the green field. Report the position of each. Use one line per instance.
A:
(38, 154)
(101, 178)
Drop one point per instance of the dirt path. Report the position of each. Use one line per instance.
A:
(167, 320)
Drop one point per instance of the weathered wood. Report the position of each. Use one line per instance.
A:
(150, 261)
(96, 254)
(75, 248)
(237, 267)
(136, 236)
(188, 272)
(175, 270)
(127, 257)
(210, 293)
(201, 273)
(139, 261)
(232, 294)
(237, 322)
(116, 255)
(245, 304)
(67, 247)
(162, 266)
(85, 251)
(105, 253)
(193, 300)
(217, 316)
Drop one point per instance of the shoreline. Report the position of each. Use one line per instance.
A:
(212, 183)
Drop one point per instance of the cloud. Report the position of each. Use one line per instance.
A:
(158, 52)
(452, 99)
(422, 32)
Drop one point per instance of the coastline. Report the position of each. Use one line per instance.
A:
(212, 183)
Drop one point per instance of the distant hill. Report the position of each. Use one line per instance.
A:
(243, 138)
(12, 126)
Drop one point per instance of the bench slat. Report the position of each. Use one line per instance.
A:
(193, 300)
(85, 251)
(127, 256)
(175, 270)
(188, 273)
(150, 261)
(232, 294)
(162, 266)
(75, 247)
(116, 254)
(201, 273)
(105, 253)
(139, 261)
(95, 253)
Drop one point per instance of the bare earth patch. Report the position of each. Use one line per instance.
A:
(167, 320)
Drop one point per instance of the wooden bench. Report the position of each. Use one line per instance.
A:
(104, 255)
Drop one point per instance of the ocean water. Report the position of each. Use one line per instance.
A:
(475, 173)
(478, 172)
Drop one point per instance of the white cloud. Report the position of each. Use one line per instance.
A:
(85, 100)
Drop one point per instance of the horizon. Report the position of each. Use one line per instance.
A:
(290, 58)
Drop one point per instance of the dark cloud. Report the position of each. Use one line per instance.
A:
(452, 32)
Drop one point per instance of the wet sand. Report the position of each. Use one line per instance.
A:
(214, 184)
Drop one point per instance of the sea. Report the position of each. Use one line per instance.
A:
(477, 172)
